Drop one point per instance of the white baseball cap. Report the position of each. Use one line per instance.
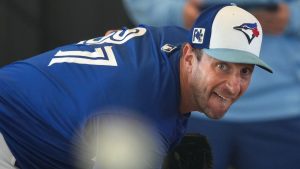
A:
(229, 33)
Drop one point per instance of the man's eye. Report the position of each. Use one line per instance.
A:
(246, 71)
(222, 66)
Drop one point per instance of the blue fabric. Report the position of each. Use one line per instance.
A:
(43, 106)
(249, 145)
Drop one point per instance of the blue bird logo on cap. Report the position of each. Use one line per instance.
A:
(249, 29)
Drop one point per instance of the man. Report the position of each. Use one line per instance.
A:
(52, 101)
(239, 140)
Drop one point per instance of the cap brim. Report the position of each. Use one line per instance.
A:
(237, 56)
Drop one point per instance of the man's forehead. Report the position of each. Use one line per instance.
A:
(212, 59)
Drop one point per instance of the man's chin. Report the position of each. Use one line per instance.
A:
(216, 114)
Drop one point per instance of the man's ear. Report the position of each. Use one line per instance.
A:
(188, 57)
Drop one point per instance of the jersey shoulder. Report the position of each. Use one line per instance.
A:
(168, 34)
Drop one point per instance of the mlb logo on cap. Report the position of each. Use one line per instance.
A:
(198, 35)
(229, 33)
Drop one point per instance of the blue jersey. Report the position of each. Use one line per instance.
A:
(47, 99)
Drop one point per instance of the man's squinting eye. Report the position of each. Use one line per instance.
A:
(222, 66)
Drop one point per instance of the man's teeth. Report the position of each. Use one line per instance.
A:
(224, 98)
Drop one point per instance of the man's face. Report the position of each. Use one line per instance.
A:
(216, 84)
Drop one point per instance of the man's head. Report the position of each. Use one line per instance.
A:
(217, 63)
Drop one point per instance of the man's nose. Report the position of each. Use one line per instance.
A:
(234, 85)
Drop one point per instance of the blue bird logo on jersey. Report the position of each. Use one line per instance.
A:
(249, 29)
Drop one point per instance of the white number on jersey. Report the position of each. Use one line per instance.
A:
(90, 58)
(97, 57)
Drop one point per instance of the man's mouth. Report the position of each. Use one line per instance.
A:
(223, 98)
